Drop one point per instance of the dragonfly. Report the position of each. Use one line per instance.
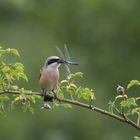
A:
(66, 57)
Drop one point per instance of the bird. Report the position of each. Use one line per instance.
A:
(49, 77)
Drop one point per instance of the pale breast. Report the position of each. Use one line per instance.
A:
(49, 78)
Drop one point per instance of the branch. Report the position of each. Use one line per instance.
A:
(80, 104)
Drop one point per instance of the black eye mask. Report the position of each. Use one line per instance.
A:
(52, 61)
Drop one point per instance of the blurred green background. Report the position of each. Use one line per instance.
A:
(103, 37)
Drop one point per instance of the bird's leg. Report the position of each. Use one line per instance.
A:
(43, 92)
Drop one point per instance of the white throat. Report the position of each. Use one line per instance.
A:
(54, 65)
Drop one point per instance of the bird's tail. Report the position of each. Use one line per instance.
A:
(47, 105)
(48, 99)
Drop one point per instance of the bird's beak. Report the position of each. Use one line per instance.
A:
(67, 62)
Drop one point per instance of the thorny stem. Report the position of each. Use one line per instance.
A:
(80, 104)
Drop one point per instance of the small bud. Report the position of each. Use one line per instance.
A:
(120, 90)
(23, 99)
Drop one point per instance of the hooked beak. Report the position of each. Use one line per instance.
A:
(67, 62)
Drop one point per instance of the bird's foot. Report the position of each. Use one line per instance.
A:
(43, 93)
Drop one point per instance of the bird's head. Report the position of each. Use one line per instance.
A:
(55, 61)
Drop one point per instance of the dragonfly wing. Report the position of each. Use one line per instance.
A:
(60, 52)
(65, 56)
(66, 52)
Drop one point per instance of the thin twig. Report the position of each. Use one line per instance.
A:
(77, 103)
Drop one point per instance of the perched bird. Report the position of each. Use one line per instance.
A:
(49, 77)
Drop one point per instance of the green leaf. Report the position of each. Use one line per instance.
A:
(111, 105)
(136, 138)
(73, 75)
(27, 107)
(17, 98)
(67, 105)
(23, 76)
(60, 93)
(133, 83)
(136, 110)
(63, 82)
(121, 96)
(19, 71)
(8, 51)
(78, 74)
(2, 109)
(2, 106)
(71, 88)
(55, 104)
(6, 69)
(14, 87)
(85, 93)
(19, 66)
(128, 103)
(14, 51)
(137, 98)
(32, 98)
(4, 98)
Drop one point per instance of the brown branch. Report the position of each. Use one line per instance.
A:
(77, 103)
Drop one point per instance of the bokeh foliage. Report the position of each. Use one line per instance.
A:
(103, 37)
(10, 72)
